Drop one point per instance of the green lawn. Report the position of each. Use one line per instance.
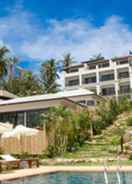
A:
(111, 163)
(93, 150)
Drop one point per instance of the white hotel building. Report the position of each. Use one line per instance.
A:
(107, 77)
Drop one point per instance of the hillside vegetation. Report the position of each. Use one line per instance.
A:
(85, 135)
(107, 144)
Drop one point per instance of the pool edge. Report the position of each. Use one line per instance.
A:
(18, 174)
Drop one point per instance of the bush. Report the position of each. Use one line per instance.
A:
(130, 157)
(124, 104)
(1, 151)
(129, 121)
(98, 125)
(66, 130)
(24, 155)
(115, 141)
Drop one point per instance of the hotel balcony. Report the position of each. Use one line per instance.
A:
(89, 79)
(72, 82)
(108, 91)
(106, 78)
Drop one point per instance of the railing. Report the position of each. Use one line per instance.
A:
(118, 170)
(106, 174)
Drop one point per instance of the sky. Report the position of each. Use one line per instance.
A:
(36, 30)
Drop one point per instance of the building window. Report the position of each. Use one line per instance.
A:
(108, 91)
(90, 103)
(124, 89)
(103, 65)
(122, 75)
(73, 82)
(87, 102)
(89, 80)
(122, 62)
(91, 67)
(73, 70)
(107, 77)
(8, 117)
(82, 102)
(20, 118)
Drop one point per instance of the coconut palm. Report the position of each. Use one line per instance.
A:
(68, 60)
(3, 63)
(49, 76)
(97, 57)
(11, 62)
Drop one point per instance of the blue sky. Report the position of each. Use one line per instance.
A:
(36, 30)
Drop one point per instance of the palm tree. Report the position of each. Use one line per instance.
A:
(3, 63)
(11, 62)
(49, 76)
(97, 57)
(67, 61)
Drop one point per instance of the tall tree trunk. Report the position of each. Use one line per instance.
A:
(91, 130)
(122, 144)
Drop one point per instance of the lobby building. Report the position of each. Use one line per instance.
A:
(28, 110)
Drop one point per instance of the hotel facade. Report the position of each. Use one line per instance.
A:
(106, 77)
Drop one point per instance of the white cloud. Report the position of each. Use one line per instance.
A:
(30, 39)
(81, 39)
(16, 28)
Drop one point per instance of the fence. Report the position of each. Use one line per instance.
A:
(35, 144)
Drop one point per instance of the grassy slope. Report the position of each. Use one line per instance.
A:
(102, 145)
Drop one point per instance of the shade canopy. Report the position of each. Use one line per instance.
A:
(5, 127)
(19, 131)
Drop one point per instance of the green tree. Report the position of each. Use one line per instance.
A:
(3, 63)
(49, 76)
(12, 61)
(24, 87)
(59, 130)
(68, 60)
(120, 132)
(97, 56)
(82, 123)
(66, 130)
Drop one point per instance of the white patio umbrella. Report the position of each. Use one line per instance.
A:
(5, 127)
(19, 131)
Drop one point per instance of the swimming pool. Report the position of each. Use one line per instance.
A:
(74, 178)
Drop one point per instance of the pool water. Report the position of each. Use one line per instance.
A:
(74, 178)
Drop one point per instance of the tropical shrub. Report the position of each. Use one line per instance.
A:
(107, 112)
(124, 104)
(66, 130)
(129, 121)
(115, 140)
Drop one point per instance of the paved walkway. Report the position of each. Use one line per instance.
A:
(16, 174)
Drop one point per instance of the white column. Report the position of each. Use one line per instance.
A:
(116, 81)
(62, 80)
(130, 76)
(97, 81)
(80, 79)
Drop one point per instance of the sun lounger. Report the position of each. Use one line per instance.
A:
(31, 162)
(8, 160)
